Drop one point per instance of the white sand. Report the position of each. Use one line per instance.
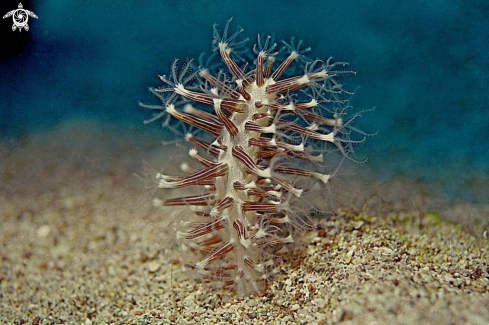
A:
(81, 243)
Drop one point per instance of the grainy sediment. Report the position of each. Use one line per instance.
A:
(81, 242)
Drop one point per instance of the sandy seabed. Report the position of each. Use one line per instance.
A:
(82, 242)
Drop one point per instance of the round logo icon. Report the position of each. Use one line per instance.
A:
(20, 17)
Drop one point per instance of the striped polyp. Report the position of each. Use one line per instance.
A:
(256, 125)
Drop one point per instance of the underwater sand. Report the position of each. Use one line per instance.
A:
(82, 242)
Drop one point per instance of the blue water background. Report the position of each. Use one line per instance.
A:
(423, 65)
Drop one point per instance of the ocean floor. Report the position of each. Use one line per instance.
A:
(83, 242)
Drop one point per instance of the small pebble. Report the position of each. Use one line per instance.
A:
(252, 303)
(43, 231)
(154, 266)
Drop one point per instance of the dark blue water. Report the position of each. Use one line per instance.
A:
(423, 65)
